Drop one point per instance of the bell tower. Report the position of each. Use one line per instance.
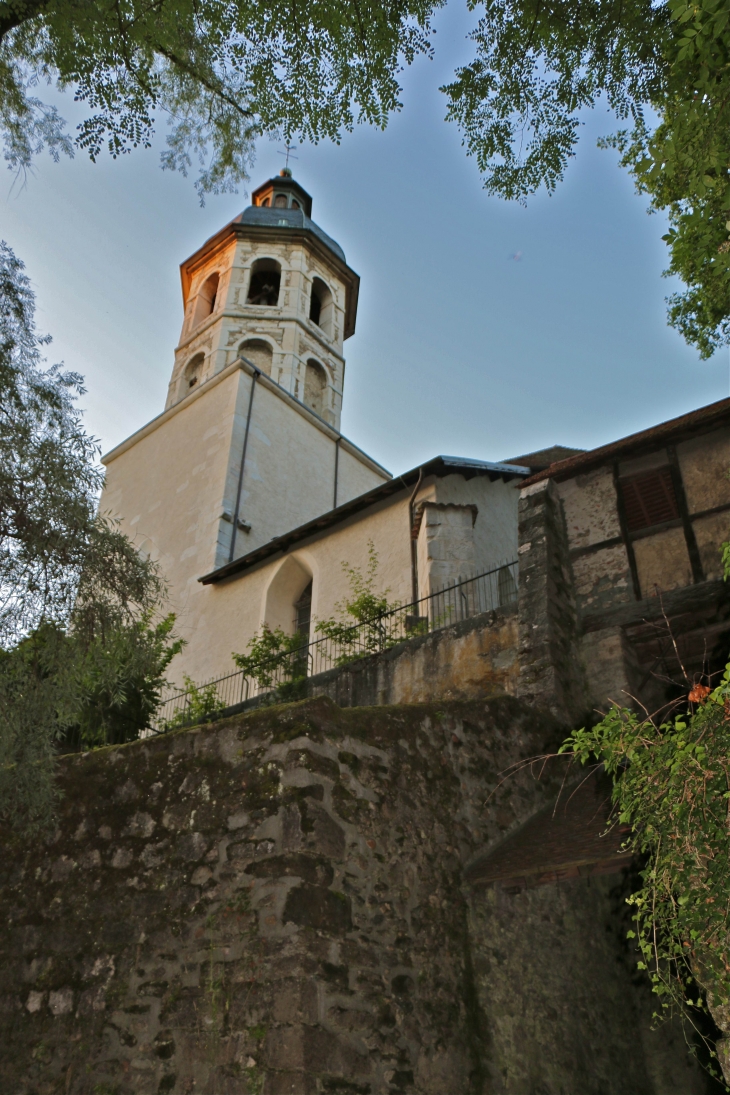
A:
(272, 288)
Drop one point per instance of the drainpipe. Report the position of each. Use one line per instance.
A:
(254, 378)
(414, 546)
(337, 465)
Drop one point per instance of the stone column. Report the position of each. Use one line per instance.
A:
(551, 673)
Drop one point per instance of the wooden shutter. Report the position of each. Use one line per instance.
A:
(649, 499)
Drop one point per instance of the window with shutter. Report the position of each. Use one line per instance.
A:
(649, 499)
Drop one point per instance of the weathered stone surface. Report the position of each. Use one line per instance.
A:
(324, 943)
(551, 671)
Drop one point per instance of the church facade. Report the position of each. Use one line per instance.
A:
(245, 491)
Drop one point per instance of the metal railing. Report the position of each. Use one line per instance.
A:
(284, 674)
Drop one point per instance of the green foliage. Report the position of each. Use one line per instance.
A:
(277, 662)
(537, 65)
(201, 703)
(59, 560)
(368, 621)
(672, 787)
(726, 560)
(29, 731)
(113, 686)
(81, 660)
(222, 73)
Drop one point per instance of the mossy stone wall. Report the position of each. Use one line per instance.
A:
(274, 904)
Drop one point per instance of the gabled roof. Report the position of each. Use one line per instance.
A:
(676, 429)
(543, 458)
(439, 466)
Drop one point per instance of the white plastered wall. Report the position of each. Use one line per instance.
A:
(495, 528)
(289, 477)
(171, 482)
(236, 608)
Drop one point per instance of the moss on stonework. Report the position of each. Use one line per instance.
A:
(190, 890)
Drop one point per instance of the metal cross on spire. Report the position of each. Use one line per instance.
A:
(289, 154)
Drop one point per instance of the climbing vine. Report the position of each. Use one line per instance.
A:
(672, 786)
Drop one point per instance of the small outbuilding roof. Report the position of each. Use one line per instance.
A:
(439, 466)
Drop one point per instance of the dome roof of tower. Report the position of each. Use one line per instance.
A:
(289, 218)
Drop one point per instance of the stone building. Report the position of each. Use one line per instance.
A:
(639, 526)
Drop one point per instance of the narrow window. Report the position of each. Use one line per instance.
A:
(266, 202)
(315, 307)
(192, 374)
(295, 204)
(265, 282)
(648, 499)
(303, 614)
(315, 386)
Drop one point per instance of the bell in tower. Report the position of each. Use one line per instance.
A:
(248, 447)
(274, 289)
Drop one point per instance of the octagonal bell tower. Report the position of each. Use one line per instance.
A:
(275, 289)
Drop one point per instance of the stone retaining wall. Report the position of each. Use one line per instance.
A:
(470, 660)
(274, 904)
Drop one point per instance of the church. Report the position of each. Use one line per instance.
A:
(245, 491)
(396, 886)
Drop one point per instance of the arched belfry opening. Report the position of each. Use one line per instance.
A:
(321, 306)
(315, 387)
(265, 281)
(259, 353)
(207, 296)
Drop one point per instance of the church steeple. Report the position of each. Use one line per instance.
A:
(275, 289)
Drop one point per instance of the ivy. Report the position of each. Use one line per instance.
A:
(672, 787)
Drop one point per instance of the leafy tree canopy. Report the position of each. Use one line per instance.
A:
(82, 657)
(539, 63)
(222, 72)
(225, 73)
(58, 559)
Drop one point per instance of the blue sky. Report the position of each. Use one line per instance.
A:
(460, 349)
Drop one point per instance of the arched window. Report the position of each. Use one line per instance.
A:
(265, 281)
(288, 602)
(258, 352)
(303, 614)
(266, 202)
(280, 201)
(321, 306)
(206, 299)
(295, 204)
(192, 374)
(315, 386)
